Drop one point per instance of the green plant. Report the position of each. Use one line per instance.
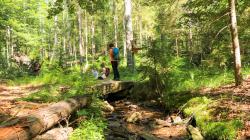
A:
(202, 108)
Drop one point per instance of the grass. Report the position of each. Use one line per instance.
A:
(92, 128)
(183, 95)
(52, 82)
(202, 108)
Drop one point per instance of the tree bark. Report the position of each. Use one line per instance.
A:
(55, 39)
(79, 14)
(115, 22)
(129, 33)
(56, 134)
(43, 119)
(176, 47)
(92, 36)
(86, 37)
(7, 45)
(190, 45)
(235, 43)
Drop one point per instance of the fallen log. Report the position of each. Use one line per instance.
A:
(43, 119)
(107, 87)
(55, 134)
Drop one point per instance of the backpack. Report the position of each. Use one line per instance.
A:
(107, 72)
(116, 53)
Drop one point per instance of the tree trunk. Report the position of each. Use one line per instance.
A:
(92, 37)
(80, 35)
(235, 43)
(56, 134)
(124, 40)
(190, 45)
(86, 37)
(74, 53)
(140, 30)
(55, 39)
(129, 33)
(115, 22)
(65, 27)
(42, 32)
(176, 47)
(8, 45)
(43, 119)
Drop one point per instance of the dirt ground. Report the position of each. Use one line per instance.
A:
(11, 107)
(236, 102)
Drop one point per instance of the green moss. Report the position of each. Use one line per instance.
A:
(92, 128)
(202, 108)
(224, 130)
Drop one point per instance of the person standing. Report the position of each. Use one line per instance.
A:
(114, 58)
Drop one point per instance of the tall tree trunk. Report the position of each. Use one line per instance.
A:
(65, 18)
(80, 35)
(92, 37)
(176, 46)
(86, 36)
(124, 40)
(55, 39)
(7, 45)
(92, 33)
(69, 32)
(235, 43)
(11, 43)
(75, 53)
(190, 45)
(115, 22)
(41, 26)
(104, 37)
(129, 34)
(140, 31)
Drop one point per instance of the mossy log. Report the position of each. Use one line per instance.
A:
(108, 87)
(43, 119)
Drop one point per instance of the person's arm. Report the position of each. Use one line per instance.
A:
(111, 54)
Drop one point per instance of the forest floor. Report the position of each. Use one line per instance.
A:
(233, 102)
(10, 105)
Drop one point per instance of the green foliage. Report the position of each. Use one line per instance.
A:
(89, 130)
(51, 81)
(202, 108)
(92, 128)
(222, 130)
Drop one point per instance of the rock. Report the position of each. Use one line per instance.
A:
(107, 107)
(177, 120)
(134, 117)
(162, 123)
(195, 133)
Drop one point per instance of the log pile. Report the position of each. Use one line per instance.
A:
(43, 119)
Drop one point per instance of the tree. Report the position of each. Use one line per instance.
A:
(129, 33)
(235, 43)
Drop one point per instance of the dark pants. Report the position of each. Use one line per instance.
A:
(115, 70)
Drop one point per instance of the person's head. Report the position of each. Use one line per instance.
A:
(111, 45)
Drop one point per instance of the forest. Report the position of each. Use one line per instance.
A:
(125, 69)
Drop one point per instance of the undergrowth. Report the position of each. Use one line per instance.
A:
(202, 109)
(94, 126)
